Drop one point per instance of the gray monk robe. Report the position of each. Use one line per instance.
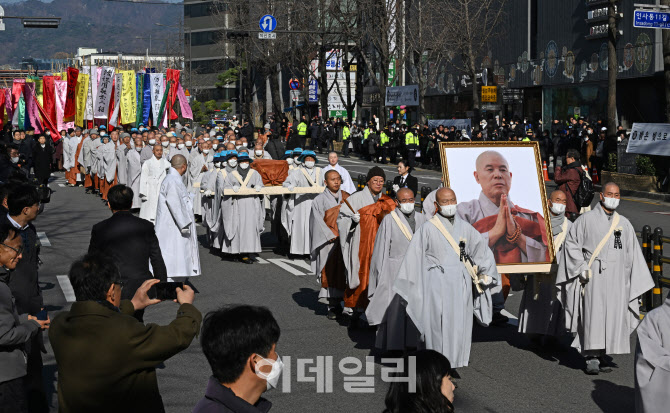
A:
(604, 312)
(122, 168)
(296, 222)
(540, 311)
(134, 174)
(439, 290)
(195, 174)
(652, 362)
(217, 206)
(243, 215)
(326, 256)
(386, 309)
(207, 192)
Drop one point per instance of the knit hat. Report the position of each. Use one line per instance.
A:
(375, 171)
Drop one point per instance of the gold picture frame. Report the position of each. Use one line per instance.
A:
(508, 268)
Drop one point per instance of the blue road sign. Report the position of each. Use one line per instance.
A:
(651, 20)
(268, 23)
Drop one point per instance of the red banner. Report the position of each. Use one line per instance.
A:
(172, 74)
(17, 88)
(55, 134)
(2, 108)
(49, 98)
(71, 98)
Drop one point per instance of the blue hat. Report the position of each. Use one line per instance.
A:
(244, 157)
(231, 154)
(134, 130)
(306, 154)
(297, 151)
(102, 127)
(141, 124)
(287, 154)
(219, 137)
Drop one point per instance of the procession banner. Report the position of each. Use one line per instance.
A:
(8, 104)
(183, 103)
(146, 97)
(61, 96)
(21, 113)
(49, 97)
(104, 93)
(128, 108)
(17, 90)
(71, 98)
(139, 85)
(82, 96)
(649, 139)
(2, 108)
(157, 92)
(118, 82)
(31, 106)
(162, 113)
(55, 136)
(172, 75)
(88, 113)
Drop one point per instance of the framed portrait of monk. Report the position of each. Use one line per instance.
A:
(500, 191)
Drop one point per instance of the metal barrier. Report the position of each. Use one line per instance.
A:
(652, 249)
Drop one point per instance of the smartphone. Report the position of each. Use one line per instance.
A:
(167, 290)
(42, 315)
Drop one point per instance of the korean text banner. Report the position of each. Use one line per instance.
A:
(650, 139)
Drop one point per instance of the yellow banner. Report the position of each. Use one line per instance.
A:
(81, 92)
(128, 97)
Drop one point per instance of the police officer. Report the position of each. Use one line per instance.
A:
(346, 133)
(384, 140)
(412, 145)
(302, 132)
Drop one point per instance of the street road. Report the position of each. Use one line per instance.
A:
(505, 373)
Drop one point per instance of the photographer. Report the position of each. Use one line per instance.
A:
(106, 358)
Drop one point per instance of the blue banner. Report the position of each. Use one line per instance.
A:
(146, 99)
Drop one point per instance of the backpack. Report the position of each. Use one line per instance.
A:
(585, 191)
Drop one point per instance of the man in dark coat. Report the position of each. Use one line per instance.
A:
(42, 154)
(106, 358)
(130, 241)
(568, 179)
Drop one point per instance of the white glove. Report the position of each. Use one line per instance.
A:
(356, 218)
(585, 276)
(258, 188)
(236, 188)
(484, 280)
(290, 187)
(395, 187)
(186, 231)
(143, 198)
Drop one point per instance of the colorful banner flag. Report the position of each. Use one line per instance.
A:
(88, 113)
(118, 84)
(55, 135)
(162, 112)
(146, 98)
(183, 103)
(104, 93)
(49, 97)
(71, 98)
(61, 97)
(128, 98)
(2, 107)
(82, 99)
(172, 75)
(31, 105)
(21, 113)
(8, 104)
(139, 83)
(17, 91)
(157, 92)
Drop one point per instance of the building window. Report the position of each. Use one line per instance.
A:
(204, 38)
(198, 10)
(209, 66)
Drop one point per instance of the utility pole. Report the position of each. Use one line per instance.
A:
(666, 64)
(612, 67)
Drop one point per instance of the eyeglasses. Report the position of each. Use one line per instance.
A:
(17, 251)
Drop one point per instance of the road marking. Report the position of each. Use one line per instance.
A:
(642, 202)
(44, 241)
(65, 285)
(660, 213)
(287, 265)
(61, 185)
(512, 319)
(260, 260)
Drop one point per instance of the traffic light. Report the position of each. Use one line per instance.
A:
(236, 35)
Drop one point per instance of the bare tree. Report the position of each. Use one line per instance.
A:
(477, 24)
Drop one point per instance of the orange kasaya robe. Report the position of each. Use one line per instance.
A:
(334, 273)
(71, 175)
(105, 186)
(506, 253)
(371, 218)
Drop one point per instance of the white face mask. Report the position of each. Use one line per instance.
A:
(296, 161)
(244, 144)
(258, 153)
(611, 203)
(244, 165)
(215, 145)
(15, 159)
(189, 144)
(217, 164)
(238, 147)
(272, 377)
(180, 146)
(138, 148)
(165, 144)
(309, 164)
(557, 209)
(205, 139)
(407, 208)
(173, 144)
(43, 145)
(232, 163)
(290, 161)
(152, 141)
(205, 151)
(448, 211)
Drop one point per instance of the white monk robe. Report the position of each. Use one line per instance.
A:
(195, 175)
(175, 228)
(207, 192)
(652, 362)
(320, 236)
(147, 153)
(347, 184)
(386, 309)
(606, 312)
(134, 175)
(244, 215)
(108, 151)
(153, 173)
(540, 312)
(439, 290)
(476, 209)
(121, 163)
(195, 152)
(299, 207)
(217, 206)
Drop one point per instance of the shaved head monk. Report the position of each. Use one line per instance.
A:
(514, 234)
